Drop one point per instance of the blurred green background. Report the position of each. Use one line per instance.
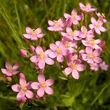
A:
(15, 16)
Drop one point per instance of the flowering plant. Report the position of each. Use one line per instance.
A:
(78, 50)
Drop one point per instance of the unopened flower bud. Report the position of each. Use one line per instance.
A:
(21, 75)
(32, 49)
(23, 52)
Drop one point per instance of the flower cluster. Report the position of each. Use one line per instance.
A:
(78, 48)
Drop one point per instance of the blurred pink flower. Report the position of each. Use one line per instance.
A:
(73, 18)
(85, 33)
(87, 8)
(92, 56)
(97, 25)
(33, 34)
(10, 70)
(56, 25)
(94, 66)
(75, 67)
(41, 58)
(103, 66)
(23, 89)
(42, 85)
(58, 50)
(71, 35)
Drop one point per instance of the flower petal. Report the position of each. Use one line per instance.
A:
(40, 92)
(49, 61)
(39, 49)
(22, 82)
(35, 85)
(7, 64)
(49, 90)
(20, 95)
(15, 67)
(41, 64)
(29, 94)
(75, 74)
(81, 67)
(68, 70)
(41, 78)
(34, 59)
(16, 88)
(49, 82)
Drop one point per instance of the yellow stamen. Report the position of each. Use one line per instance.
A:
(42, 55)
(56, 23)
(43, 85)
(74, 66)
(23, 88)
(92, 42)
(103, 15)
(10, 69)
(98, 24)
(33, 32)
(67, 45)
(72, 33)
(85, 30)
(58, 50)
(91, 56)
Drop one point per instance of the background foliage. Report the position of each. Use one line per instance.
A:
(90, 92)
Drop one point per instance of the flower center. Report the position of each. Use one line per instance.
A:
(72, 33)
(91, 56)
(98, 24)
(56, 23)
(43, 85)
(23, 88)
(33, 32)
(67, 45)
(10, 69)
(42, 55)
(58, 50)
(92, 42)
(85, 30)
(74, 66)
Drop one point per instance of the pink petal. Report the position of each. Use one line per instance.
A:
(66, 15)
(97, 31)
(91, 26)
(49, 61)
(40, 35)
(4, 71)
(50, 22)
(41, 64)
(84, 57)
(53, 47)
(93, 20)
(41, 78)
(81, 67)
(34, 59)
(28, 36)
(82, 7)
(39, 49)
(97, 60)
(60, 58)
(88, 50)
(68, 70)
(97, 52)
(75, 74)
(28, 30)
(15, 67)
(20, 95)
(49, 82)
(34, 38)
(102, 29)
(68, 30)
(16, 88)
(22, 82)
(38, 30)
(35, 85)
(52, 55)
(40, 92)
(49, 90)
(29, 94)
(15, 72)
(7, 64)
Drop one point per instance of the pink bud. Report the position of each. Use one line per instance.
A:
(23, 52)
(37, 97)
(24, 99)
(9, 79)
(32, 49)
(102, 43)
(21, 75)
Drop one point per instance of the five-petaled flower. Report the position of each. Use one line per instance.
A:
(43, 85)
(10, 70)
(23, 89)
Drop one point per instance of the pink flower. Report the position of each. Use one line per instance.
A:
(10, 70)
(33, 34)
(41, 58)
(71, 35)
(23, 90)
(42, 85)
(32, 49)
(92, 56)
(92, 43)
(74, 67)
(73, 18)
(23, 52)
(97, 25)
(103, 66)
(94, 66)
(58, 50)
(56, 25)
(84, 33)
(86, 8)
